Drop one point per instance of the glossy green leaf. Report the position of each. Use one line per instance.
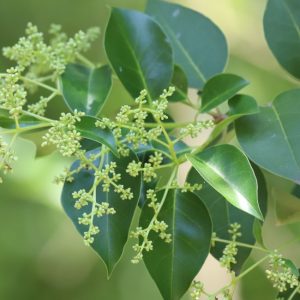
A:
(179, 81)
(219, 89)
(114, 229)
(86, 89)
(223, 214)
(239, 105)
(271, 137)
(199, 46)
(139, 52)
(229, 172)
(174, 265)
(88, 130)
(282, 31)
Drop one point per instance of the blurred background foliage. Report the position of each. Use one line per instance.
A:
(41, 255)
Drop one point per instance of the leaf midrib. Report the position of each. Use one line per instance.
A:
(186, 54)
(222, 177)
(285, 135)
(291, 17)
(132, 51)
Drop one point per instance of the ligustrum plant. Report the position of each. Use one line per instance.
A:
(126, 164)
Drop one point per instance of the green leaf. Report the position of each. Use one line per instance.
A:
(223, 214)
(24, 121)
(86, 89)
(219, 89)
(179, 81)
(239, 105)
(282, 32)
(271, 137)
(114, 229)
(292, 266)
(86, 127)
(139, 52)
(229, 172)
(199, 46)
(174, 265)
(257, 233)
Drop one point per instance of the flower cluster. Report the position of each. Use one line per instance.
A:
(98, 210)
(187, 187)
(131, 125)
(7, 157)
(197, 290)
(231, 250)
(31, 52)
(160, 227)
(148, 169)
(108, 177)
(105, 176)
(280, 273)
(12, 94)
(66, 176)
(193, 130)
(63, 134)
(161, 104)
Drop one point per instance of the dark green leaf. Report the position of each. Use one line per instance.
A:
(9, 123)
(229, 172)
(138, 52)
(109, 243)
(257, 233)
(282, 31)
(271, 138)
(86, 89)
(174, 265)
(179, 81)
(223, 214)
(199, 46)
(239, 105)
(219, 89)
(88, 130)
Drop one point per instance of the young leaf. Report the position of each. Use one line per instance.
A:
(174, 265)
(139, 52)
(179, 81)
(229, 172)
(199, 46)
(88, 130)
(219, 89)
(110, 241)
(271, 137)
(281, 26)
(223, 214)
(86, 89)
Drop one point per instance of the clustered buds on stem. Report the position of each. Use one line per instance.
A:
(231, 250)
(7, 157)
(63, 134)
(280, 273)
